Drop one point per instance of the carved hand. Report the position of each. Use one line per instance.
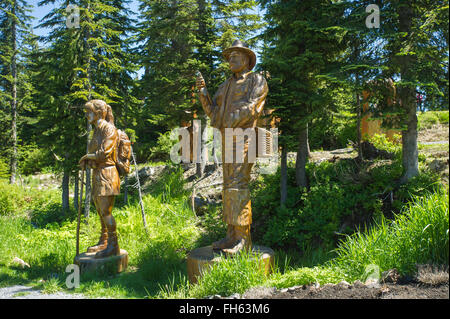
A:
(82, 162)
(200, 82)
(85, 159)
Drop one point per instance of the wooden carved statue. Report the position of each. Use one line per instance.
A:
(102, 157)
(238, 103)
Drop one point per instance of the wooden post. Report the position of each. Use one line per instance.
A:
(79, 214)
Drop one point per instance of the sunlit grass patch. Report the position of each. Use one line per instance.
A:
(306, 276)
(418, 235)
(231, 275)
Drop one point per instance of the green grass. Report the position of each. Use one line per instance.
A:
(50, 247)
(21, 294)
(306, 276)
(433, 147)
(430, 118)
(230, 275)
(51, 286)
(157, 267)
(33, 229)
(418, 235)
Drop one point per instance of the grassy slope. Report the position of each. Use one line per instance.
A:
(157, 266)
(157, 261)
(50, 247)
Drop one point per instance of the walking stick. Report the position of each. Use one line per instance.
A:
(79, 212)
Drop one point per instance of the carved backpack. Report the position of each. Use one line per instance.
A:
(123, 153)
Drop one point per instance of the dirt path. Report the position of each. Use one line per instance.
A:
(385, 291)
(25, 292)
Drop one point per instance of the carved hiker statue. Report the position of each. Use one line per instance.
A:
(238, 103)
(108, 155)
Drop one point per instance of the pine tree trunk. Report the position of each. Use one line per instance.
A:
(203, 36)
(302, 158)
(410, 152)
(65, 186)
(87, 197)
(283, 177)
(76, 190)
(13, 164)
(358, 126)
(204, 147)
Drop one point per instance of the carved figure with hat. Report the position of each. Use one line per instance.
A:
(238, 103)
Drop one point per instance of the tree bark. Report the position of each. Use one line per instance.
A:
(204, 146)
(302, 158)
(76, 190)
(358, 126)
(87, 197)
(65, 186)
(13, 163)
(410, 152)
(283, 177)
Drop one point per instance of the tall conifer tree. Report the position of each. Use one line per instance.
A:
(81, 63)
(14, 28)
(301, 39)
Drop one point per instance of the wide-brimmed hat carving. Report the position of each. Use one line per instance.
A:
(242, 47)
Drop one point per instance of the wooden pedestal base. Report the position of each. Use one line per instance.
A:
(201, 258)
(113, 264)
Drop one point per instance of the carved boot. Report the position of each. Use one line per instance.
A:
(242, 240)
(112, 249)
(102, 243)
(226, 242)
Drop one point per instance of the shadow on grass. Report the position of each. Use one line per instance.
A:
(159, 265)
(12, 278)
(51, 214)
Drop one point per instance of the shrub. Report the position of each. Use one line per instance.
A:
(161, 151)
(11, 198)
(48, 244)
(33, 159)
(4, 169)
(342, 197)
(443, 117)
(41, 207)
(381, 142)
(332, 132)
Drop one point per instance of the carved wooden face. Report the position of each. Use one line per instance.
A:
(91, 115)
(238, 61)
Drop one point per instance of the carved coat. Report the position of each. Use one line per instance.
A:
(238, 103)
(246, 94)
(105, 177)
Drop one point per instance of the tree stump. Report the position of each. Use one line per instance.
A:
(112, 264)
(202, 258)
